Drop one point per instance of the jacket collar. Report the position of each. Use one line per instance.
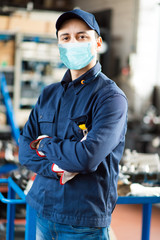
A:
(83, 80)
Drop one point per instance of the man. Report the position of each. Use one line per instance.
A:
(80, 124)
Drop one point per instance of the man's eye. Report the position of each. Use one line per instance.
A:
(83, 37)
(65, 38)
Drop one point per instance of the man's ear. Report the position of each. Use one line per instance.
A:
(99, 43)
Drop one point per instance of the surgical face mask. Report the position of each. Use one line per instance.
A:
(76, 55)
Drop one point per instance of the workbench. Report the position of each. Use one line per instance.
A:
(146, 203)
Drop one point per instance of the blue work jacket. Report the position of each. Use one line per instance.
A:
(90, 197)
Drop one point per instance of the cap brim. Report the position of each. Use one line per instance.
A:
(67, 16)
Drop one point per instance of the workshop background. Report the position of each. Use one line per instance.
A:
(29, 60)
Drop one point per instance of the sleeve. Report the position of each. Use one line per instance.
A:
(108, 130)
(27, 156)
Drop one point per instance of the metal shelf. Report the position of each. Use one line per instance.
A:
(5, 128)
(7, 69)
(28, 101)
(38, 59)
(45, 52)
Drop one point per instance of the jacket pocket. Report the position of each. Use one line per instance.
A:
(46, 122)
(80, 127)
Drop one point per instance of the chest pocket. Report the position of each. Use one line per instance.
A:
(77, 132)
(46, 122)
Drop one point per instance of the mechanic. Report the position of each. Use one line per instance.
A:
(74, 139)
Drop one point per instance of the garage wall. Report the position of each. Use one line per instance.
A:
(124, 23)
(147, 61)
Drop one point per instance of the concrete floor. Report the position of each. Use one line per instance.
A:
(127, 222)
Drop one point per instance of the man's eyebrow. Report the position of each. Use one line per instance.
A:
(64, 34)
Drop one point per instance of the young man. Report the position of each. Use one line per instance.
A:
(80, 124)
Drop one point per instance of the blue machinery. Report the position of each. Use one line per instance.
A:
(9, 108)
(11, 119)
(11, 202)
(14, 190)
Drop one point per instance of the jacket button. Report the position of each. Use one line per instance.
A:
(41, 116)
(82, 81)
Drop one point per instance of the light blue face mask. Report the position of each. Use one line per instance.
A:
(75, 55)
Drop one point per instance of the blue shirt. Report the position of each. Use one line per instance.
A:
(90, 197)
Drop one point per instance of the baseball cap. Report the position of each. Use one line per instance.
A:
(87, 17)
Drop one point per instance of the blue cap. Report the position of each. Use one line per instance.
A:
(87, 17)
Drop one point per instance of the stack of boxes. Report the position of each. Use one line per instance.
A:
(7, 50)
(24, 24)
